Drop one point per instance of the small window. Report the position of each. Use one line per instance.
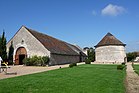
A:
(22, 42)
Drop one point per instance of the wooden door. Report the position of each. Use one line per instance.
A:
(20, 51)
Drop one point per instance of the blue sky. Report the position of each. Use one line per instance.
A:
(81, 22)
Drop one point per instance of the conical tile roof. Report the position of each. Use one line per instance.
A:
(109, 39)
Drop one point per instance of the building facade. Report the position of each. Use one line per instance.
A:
(27, 43)
(110, 50)
(137, 57)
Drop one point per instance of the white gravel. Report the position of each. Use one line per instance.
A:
(132, 80)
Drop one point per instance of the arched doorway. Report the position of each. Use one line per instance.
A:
(21, 53)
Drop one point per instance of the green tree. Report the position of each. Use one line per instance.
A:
(91, 54)
(131, 56)
(10, 54)
(3, 52)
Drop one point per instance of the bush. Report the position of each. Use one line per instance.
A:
(87, 61)
(36, 61)
(123, 63)
(120, 67)
(45, 60)
(27, 62)
(72, 65)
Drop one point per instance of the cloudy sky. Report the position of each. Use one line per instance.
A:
(81, 22)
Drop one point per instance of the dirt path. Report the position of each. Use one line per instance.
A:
(132, 80)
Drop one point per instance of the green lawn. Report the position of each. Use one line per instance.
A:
(136, 67)
(80, 79)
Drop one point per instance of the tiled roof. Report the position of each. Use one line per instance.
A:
(76, 49)
(109, 39)
(54, 45)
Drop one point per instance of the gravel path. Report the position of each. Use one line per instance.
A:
(132, 80)
(24, 70)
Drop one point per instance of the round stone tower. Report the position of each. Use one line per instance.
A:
(110, 50)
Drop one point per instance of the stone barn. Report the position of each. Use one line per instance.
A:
(27, 42)
(110, 50)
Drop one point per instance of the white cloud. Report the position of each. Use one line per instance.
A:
(112, 10)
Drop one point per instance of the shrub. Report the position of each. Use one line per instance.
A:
(27, 62)
(72, 65)
(120, 67)
(36, 61)
(123, 63)
(87, 61)
(45, 60)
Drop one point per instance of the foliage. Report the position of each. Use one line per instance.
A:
(27, 62)
(120, 67)
(36, 61)
(87, 61)
(45, 59)
(80, 79)
(72, 64)
(123, 63)
(131, 56)
(91, 54)
(3, 52)
(10, 54)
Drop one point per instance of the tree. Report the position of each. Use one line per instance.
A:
(10, 54)
(91, 54)
(3, 52)
(131, 56)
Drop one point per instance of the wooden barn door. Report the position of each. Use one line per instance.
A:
(21, 53)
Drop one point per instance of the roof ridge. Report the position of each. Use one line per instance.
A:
(29, 29)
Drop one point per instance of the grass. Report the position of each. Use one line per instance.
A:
(136, 68)
(80, 79)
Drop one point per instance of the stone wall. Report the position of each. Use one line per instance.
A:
(24, 38)
(114, 54)
(56, 59)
